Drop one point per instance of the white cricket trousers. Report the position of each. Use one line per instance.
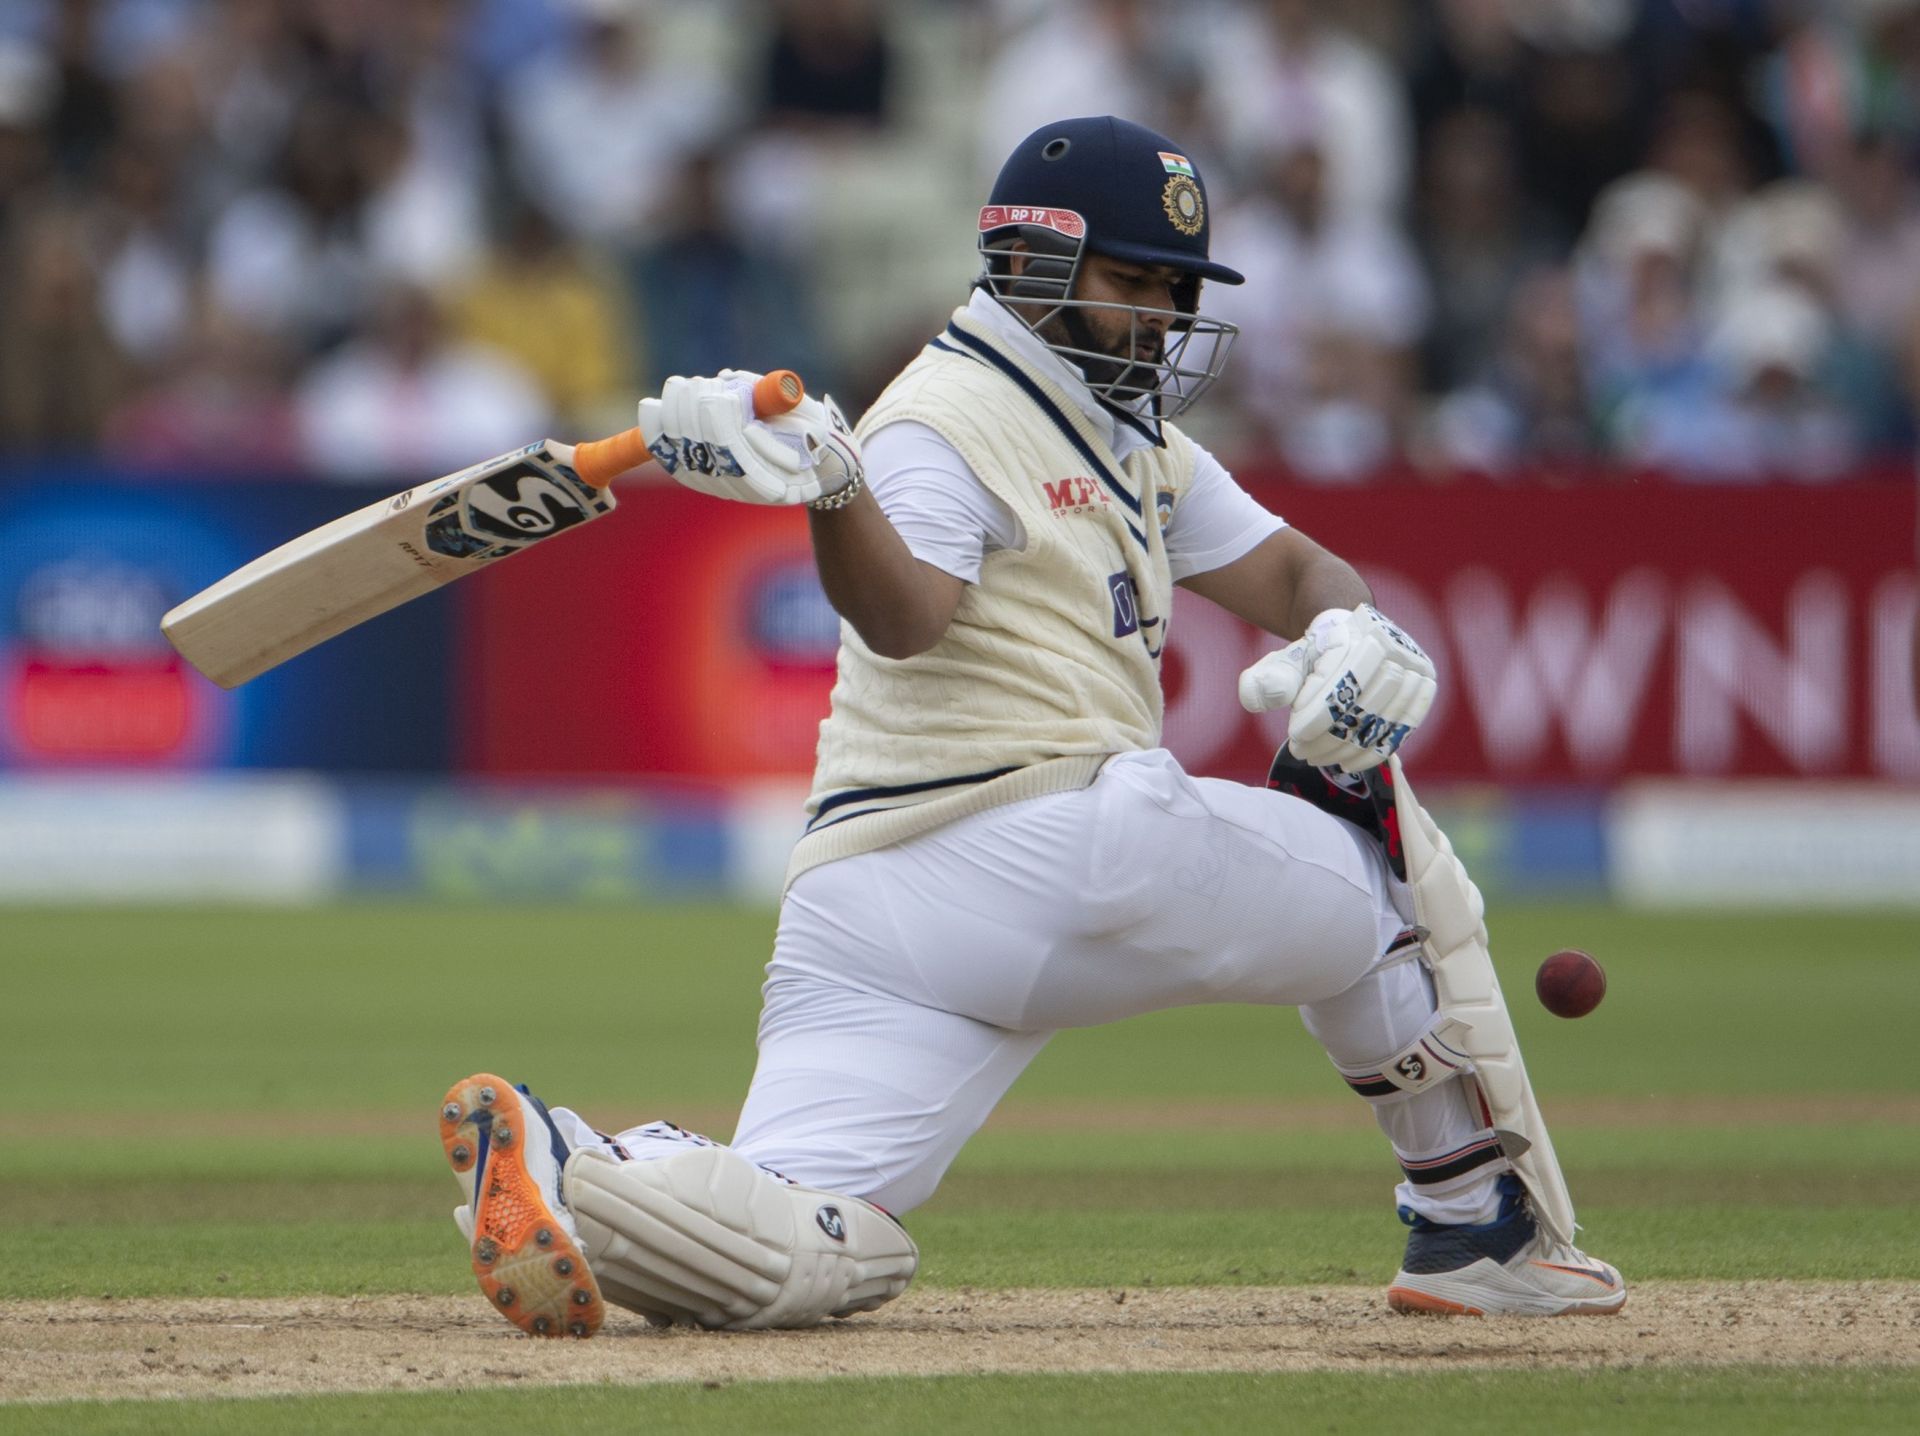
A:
(910, 986)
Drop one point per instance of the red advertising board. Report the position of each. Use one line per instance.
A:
(1583, 634)
(678, 635)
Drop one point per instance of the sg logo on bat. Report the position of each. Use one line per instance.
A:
(509, 510)
(523, 505)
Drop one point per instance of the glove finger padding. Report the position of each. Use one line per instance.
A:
(695, 438)
(704, 434)
(814, 443)
(1364, 743)
(1277, 678)
(1369, 687)
(727, 434)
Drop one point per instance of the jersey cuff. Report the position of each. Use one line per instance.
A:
(1243, 544)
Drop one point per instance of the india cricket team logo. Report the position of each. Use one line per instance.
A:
(1181, 198)
(1182, 202)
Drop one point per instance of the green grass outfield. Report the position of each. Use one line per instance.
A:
(242, 1103)
(1737, 1401)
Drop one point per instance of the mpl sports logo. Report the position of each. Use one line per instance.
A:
(1077, 495)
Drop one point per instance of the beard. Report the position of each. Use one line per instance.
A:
(1118, 366)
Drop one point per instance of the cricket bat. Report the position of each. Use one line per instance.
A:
(377, 558)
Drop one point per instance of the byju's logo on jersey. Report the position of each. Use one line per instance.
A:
(1126, 604)
(1127, 618)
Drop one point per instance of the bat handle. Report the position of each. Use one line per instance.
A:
(777, 392)
(601, 461)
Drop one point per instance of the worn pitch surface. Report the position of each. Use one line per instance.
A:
(52, 1350)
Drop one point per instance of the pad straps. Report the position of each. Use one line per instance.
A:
(1431, 1058)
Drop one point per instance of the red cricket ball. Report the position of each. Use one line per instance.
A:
(1570, 983)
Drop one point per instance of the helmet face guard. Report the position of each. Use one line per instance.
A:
(1192, 352)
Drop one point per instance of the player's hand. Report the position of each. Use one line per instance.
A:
(1357, 686)
(704, 433)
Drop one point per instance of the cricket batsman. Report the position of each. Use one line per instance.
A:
(997, 844)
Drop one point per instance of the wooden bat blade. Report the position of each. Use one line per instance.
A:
(377, 558)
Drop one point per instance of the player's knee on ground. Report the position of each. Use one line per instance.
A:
(706, 1238)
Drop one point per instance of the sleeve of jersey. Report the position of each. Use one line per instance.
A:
(1215, 522)
(935, 501)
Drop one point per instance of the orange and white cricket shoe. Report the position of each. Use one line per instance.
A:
(527, 1253)
(1505, 1267)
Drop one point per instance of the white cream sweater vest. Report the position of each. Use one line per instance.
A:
(1051, 662)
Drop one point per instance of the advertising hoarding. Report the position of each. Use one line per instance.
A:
(1583, 635)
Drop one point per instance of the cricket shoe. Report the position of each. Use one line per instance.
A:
(1505, 1267)
(507, 1155)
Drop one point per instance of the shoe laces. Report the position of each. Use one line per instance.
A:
(1560, 1253)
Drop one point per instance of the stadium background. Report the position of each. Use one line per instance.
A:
(1585, 326)
(1588, 329)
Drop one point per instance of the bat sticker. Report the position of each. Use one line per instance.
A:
(509, 510)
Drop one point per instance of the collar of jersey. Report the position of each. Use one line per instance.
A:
(1120, 439)
(965, 335)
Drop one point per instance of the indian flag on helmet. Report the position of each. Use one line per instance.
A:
(1177, 164)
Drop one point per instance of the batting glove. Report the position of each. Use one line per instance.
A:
(704, 433)
(1357, 686)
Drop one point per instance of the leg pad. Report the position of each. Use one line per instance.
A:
(705, 1238)
(1450, 908)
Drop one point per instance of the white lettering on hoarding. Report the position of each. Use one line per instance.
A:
(1893, 717)
(1728, 665)
(1554, 666)
(1827, 687)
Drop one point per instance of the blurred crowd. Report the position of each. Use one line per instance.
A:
(377, 238)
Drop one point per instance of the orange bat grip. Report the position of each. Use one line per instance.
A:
(601, 461)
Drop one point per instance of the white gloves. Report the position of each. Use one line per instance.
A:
(1357, 686)
(704, 433)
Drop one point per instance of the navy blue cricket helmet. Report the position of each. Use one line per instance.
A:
(1107, 186)
(1141, 197)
